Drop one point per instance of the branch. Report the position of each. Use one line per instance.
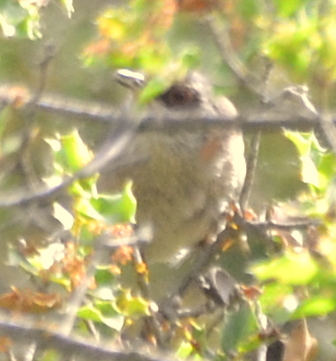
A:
(71, 346)
(104, 114)
(223, 43)
(111, 150)
(126, 129)
(251, 165)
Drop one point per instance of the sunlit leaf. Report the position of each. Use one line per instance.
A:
(309, 172)
(132, 306)
(20, 19)
(92, 313)
(326, 167)
(315, 306)
(293, 44)
(68, 5)
(74, 152)
(8, 30)
(303, 142)
(288, 8)
(273, 296)
(292, 268)
(184, 350)
(85, 207)
(120, 207)
(153, 88)
(63, 216)
(113, 24)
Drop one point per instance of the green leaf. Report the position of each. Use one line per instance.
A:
(84, 207)
(293, 44)
(104, 276)
(273, 295)
(153, 88)
(120, 207)
(309, 172)
(318, 166)
(89, 312)
(326, 167)
(238, 326)
(115, 323)
(132, 306)
(190, 57)
(291, 269)
(74, 153)
(303, 142)
(8, 29)
(315, 306)
(278, 174)
(106, 307)
(185, 350)
(287, 8)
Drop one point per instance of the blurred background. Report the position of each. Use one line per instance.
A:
(250, 50)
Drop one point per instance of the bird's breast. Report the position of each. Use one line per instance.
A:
(180, 188)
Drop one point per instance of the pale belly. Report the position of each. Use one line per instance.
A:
(181, 195)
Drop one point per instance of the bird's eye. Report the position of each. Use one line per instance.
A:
(179, 95)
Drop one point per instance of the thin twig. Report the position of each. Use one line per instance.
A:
(74, 303)
(142, 278)
(39, 218)
(223, 43)
(269, 225)
(261, 351)
(251, 165)
(29, 118)
(252, 159)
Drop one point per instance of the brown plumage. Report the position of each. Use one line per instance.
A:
(189, 176)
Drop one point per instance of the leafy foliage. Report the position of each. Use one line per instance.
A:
(292, 267)
(22, 18)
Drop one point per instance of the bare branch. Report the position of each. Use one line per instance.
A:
(269, 225)
(251, 164)
(222, 40)
(103, 114)
(72, 346)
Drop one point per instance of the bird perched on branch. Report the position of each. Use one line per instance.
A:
(188, 177)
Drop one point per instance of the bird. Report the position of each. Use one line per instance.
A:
(188, 177)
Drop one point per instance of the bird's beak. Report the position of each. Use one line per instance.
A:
(130, 79)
